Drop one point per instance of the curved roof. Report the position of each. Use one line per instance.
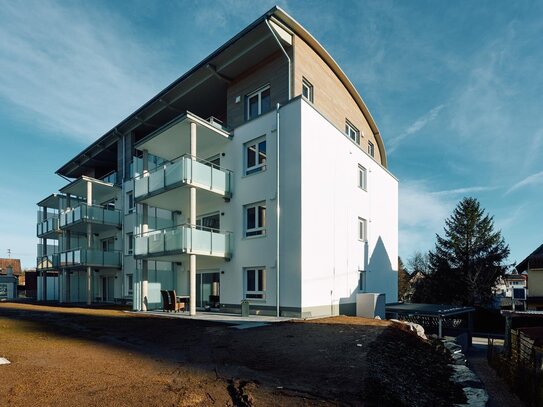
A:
(319, 49)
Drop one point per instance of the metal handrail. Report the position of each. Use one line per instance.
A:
(164, 164)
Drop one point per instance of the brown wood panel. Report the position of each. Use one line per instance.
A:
(331, 98)
(272, 71)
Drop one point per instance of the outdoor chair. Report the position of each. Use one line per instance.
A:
(176, 305)
(166, 306)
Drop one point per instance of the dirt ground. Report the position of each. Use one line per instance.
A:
(95, 357)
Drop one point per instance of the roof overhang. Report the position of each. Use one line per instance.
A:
(101, 191)
(53, 201)
(211, 76)
(173, 139)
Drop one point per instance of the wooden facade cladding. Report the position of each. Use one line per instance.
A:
(272, 71)
(331, 98)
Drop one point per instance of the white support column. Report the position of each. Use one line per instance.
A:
(43, 294)
(144, 282)
(89, 245)
(192, 257)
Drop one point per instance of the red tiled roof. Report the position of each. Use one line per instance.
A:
(15, 263)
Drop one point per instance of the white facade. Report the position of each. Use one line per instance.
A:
(193, 206)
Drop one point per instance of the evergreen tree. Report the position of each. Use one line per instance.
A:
(403, 281)
(467, 261)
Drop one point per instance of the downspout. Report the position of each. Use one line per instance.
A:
(286, 55)
(123, 203)
(277, 210)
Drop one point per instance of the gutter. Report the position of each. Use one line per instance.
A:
(286, 55)
(278, 212)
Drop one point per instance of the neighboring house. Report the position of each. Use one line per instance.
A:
(185, 193)
(8, 280)
(532, 266)
(15, 265)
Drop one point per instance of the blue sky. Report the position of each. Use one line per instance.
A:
(455, 88)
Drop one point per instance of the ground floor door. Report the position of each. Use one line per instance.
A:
(208, 289)
(107, 288)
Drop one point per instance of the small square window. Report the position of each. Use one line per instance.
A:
(352, 132)
(362, 178)
(255, 219)
(255, 156)
(258, 102)
(307, 90)
(371, 149)
(255, 283)
(362, 229)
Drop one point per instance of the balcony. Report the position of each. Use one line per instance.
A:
(101, 218)
(48, 229)
(184, 170)
(48, 262)
(183, 239)
(89, 258)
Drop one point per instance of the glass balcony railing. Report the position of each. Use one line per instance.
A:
(47, 227)
(48, 262)
(184, 239)
(89, 257)
(90, 214)
(187, 170)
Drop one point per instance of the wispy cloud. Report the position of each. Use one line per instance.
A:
(76, 71)
(415, 127)
(534, 179)
(463, 191)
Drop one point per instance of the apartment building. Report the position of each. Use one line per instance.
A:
(258, 175)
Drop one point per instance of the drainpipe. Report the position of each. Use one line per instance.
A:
(278, 210)
(286, 55)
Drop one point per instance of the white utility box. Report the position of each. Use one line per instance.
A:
(370, 305)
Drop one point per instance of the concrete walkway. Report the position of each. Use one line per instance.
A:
(251, 321)
(498, 391)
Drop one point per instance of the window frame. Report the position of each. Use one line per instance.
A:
(259, 280)
(258, 93)
(362, 229)
(310, 90)
(362, 177)
(130, 243)
(257, 231)
(351, 130)
(129, 288)
(371, 149)
(130, 202)
(257, 167)
(200, 221)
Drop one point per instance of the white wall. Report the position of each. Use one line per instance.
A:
(332, 255)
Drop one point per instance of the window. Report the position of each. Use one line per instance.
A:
(129, 281)
(130, 201)
(362, 229)
(211, 221)
(130, 243)
(255, 220)
(108, 245)
(258, 102)
(255, 283)
(307, 90)
(255, 156)
(352, 132)
(371, 149)
(362, 178)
